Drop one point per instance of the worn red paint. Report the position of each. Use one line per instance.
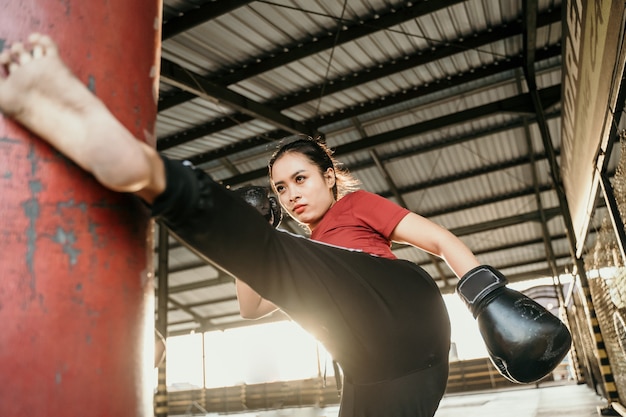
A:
(76, 304)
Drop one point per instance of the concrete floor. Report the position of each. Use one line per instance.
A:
(567, 399)
(547, 401)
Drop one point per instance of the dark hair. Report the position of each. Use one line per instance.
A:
(320, 155)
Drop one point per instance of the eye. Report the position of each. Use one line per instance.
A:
(280, 188)
(300, 178)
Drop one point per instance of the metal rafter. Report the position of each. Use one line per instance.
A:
(184, 79)
(199, 15)
(531, 216)
(535, 176)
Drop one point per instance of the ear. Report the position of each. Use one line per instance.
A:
(330, 178)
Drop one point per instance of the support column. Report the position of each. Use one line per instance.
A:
(76, 290)
(614, 214)
(161, 408)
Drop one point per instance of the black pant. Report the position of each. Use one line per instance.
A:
(382, 320)
(415, 394)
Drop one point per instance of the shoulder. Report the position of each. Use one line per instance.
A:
(370, 205)
(371, 200)
(360, 195)
(356, 200)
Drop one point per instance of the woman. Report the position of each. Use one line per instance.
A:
(381, 318)
(394, 328)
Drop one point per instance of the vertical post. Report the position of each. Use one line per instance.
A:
(76, 290)
(203, 395)
(160, 399)
(614, 214)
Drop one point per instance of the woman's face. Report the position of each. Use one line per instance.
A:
(303, 190)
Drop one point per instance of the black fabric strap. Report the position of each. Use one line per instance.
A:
(477, 284)
(181, 192)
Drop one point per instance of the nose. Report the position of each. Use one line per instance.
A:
(294, 195)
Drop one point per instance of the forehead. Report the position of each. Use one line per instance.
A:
(290, 163)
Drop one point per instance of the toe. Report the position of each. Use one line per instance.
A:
(16, 48)
(18, 55)
(5, 57)
(44, 43)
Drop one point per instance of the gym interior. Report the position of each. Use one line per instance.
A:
(499, 120)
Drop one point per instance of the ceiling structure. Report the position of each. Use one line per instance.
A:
(450, 108)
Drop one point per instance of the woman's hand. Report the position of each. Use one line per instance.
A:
(251, 304)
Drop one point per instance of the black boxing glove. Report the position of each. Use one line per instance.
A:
(260, 198)
(525, 341)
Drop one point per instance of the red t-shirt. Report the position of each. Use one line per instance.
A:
(363, 221)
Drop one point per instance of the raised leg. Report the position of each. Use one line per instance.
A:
(40, 92)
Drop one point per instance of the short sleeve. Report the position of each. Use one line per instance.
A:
(379, 213)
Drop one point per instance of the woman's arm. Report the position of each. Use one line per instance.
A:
(432, 238)
(251, 304)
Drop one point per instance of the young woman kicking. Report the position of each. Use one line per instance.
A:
(382, 319)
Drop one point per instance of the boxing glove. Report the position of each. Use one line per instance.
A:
(260, 198)
(525, 341)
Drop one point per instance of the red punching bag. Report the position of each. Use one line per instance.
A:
(76, 290)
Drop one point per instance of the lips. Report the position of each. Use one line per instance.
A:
(298, 209)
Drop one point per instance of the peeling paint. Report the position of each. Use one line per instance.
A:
(92, 227)
(91, 84)
(32, 157)
(2, 43)
(58, 375)
(71, 204)
(68, 9)
(4, 139)
(67, 240)
(32, 212)
(7, 175)
(41, 300)
(35, 186)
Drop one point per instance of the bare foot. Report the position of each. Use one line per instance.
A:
(39, 91)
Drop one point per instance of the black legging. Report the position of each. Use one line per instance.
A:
(384, 321)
